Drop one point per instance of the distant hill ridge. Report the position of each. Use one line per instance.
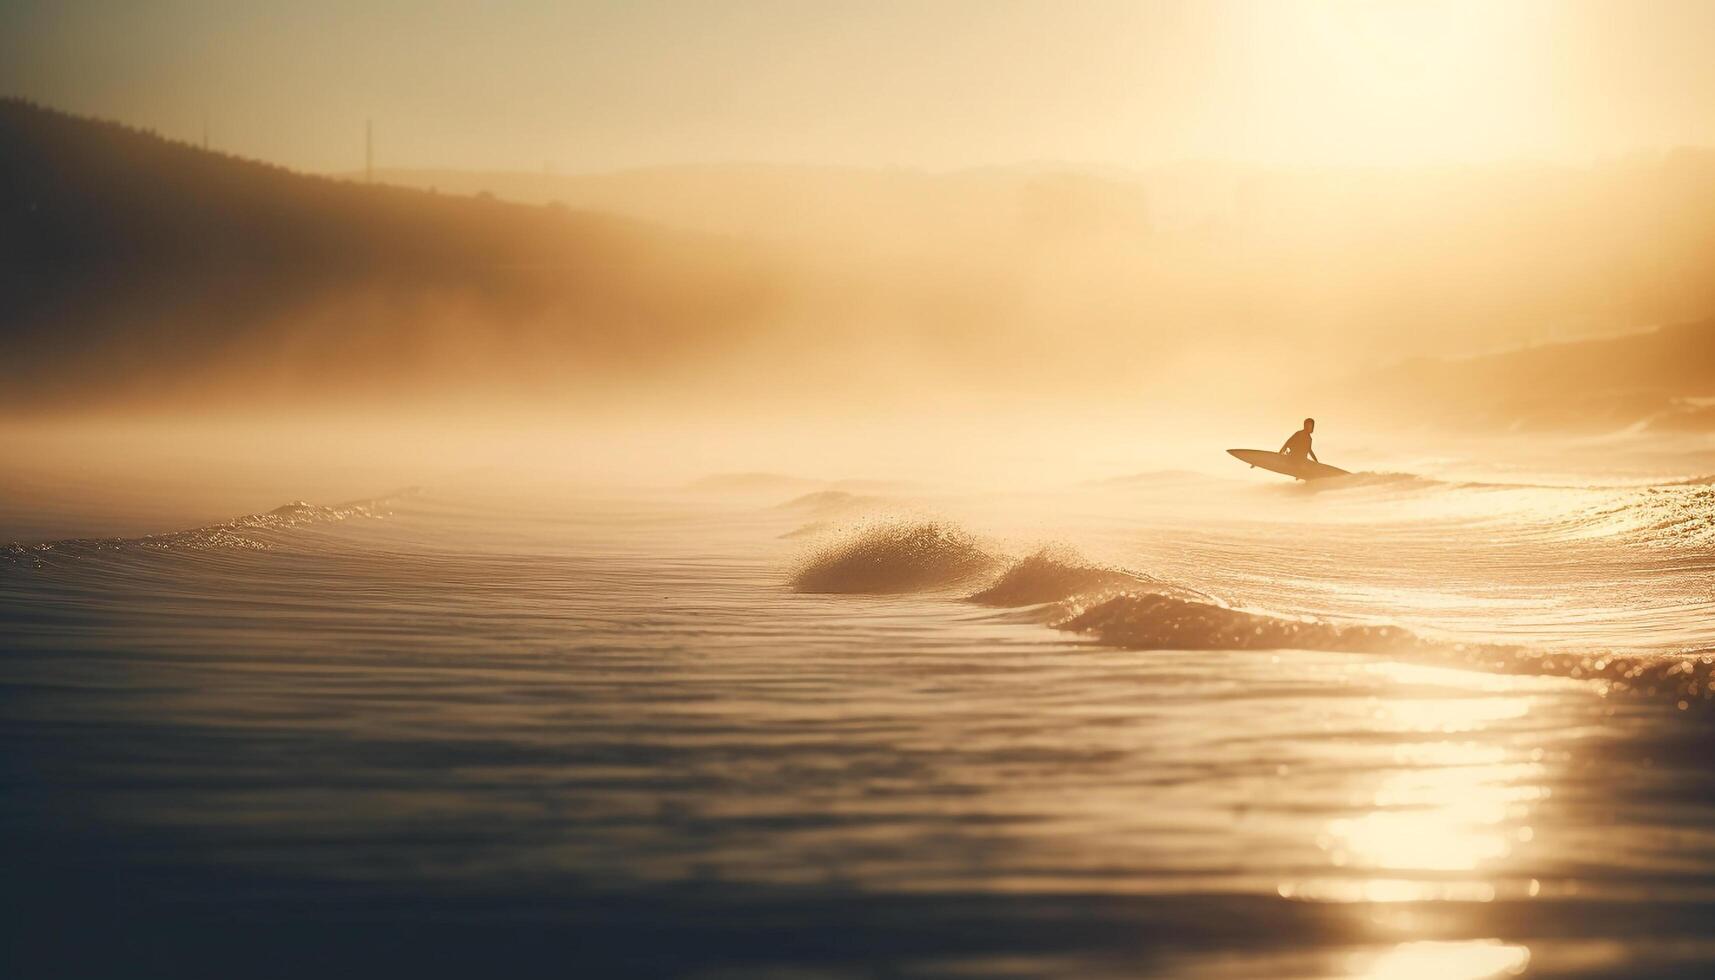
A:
(135, 270)
(78, 190)
(121, 252)
(1663, 378)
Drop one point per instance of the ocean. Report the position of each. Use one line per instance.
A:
(1179, 723)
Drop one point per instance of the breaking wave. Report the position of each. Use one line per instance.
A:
(1155, 621)
(1134, 610)
(912, 556)
(248, 533)
(894, 558)
(1148, 621)
(1052, 574)
(1685, 520)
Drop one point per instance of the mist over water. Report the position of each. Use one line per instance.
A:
(906, 719)
(785, 569)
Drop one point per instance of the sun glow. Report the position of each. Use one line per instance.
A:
(1403, 82)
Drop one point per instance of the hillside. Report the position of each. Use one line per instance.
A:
(1663, 379)
(139, 271)
(130, 263)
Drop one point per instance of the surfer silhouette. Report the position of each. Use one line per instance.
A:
(1296, 457)
(1297, 445)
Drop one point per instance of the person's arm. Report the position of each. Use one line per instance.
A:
(1312, 454)
(1288, 442)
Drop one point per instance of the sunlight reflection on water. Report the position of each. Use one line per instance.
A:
(1469, 960)
(556, 704)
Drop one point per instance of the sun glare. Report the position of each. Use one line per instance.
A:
(1393, 83)
(1445, 961)
(694, 487)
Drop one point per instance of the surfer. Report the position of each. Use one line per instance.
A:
(1297, 445)
(1295, 459)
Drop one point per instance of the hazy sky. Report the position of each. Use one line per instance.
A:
(610, 83)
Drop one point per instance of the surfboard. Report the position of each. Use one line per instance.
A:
(1303, 469)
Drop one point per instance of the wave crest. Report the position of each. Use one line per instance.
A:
(1161, 622)
(894, 558)
(1052, 574)
(1132, 610)
(1152, 621)
(241, 533)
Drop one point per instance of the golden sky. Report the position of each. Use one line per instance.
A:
(580, 86)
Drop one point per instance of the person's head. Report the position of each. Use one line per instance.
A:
(1309, 425)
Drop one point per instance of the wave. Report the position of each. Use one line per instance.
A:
(1389, 478)
(1052, 574)
(1367, 478)
(249, 532)
(749, 483)
(1417, 481)
(1154, 621)
(831, 501)
(895, 558)
(1675, 515)
(1669, 518)
(1684, 520)
(1382, 478)
(1133, 610)
(1121, 606)
(910, 556)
